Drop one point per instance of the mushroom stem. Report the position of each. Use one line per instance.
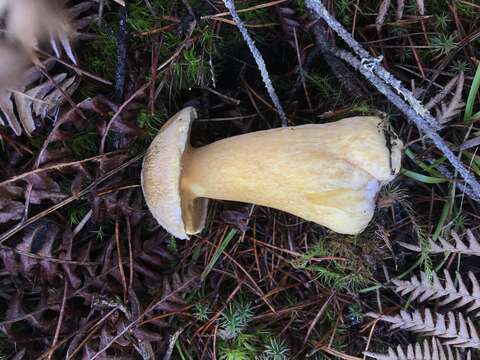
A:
(329, 174)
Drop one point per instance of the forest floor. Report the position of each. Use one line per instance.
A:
(87, 273)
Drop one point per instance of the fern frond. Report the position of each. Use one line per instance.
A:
(22, 106)
(442, 246)
(442, 94)
(427, 288)
(446, 113)
(427, 351)
(457, 330)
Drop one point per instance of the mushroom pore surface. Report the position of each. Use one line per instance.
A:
(329, 174)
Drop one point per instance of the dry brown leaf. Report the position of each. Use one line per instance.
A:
(56, 98)
(40, 101)
(6, 107)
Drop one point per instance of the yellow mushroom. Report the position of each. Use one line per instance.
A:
(329, 173)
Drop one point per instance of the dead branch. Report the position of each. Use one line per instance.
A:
(258, 59)
(395, 92)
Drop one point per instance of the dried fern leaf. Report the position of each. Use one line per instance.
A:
(34, 97)
(39, 101)
(77, 23)
(427, 351)
(42, 100)
(55, 98)
(6, 107)
(442, 94)
(424, 289)
(442, 246)
(456, 330)
(10, 208)
(448, 112)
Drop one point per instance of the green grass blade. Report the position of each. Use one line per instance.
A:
(430, 169)
(226, 240)
(473, 161)
(476, 116)
(467, 118)
(442, 221)
(423, 178)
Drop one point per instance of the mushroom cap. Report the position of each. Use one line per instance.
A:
(161, 172)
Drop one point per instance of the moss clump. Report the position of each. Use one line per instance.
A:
(347, 271)
(151, 123)
(100, 54)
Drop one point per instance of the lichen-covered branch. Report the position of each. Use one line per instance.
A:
(368, 60)
(258, 59)
(392, 88)
(410, 114)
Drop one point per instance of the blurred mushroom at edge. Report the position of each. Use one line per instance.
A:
(326, 173)
(27, 24)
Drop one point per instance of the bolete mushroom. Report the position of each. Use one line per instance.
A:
(329, 173)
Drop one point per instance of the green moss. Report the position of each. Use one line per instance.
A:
(276, 350)
(76, 214)
(202, 311)
(84, 144)
(100, 54)
(190, 71)
(151, 123)
(171, 41)
(326, 87)
(300, 7)
(441, 21)
(258, 16)
(442, 44)
(459, 65)
(466, 10)
(235, 318)
(343, 10)
(139, 17)
(348, 273)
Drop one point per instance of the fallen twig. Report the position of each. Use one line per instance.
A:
(392, 88)
(371, 62)
(258, 59)
(58, 167)
(410, 114)
(121, 67)
(462, 187)
(347, 79)
(171, 344)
